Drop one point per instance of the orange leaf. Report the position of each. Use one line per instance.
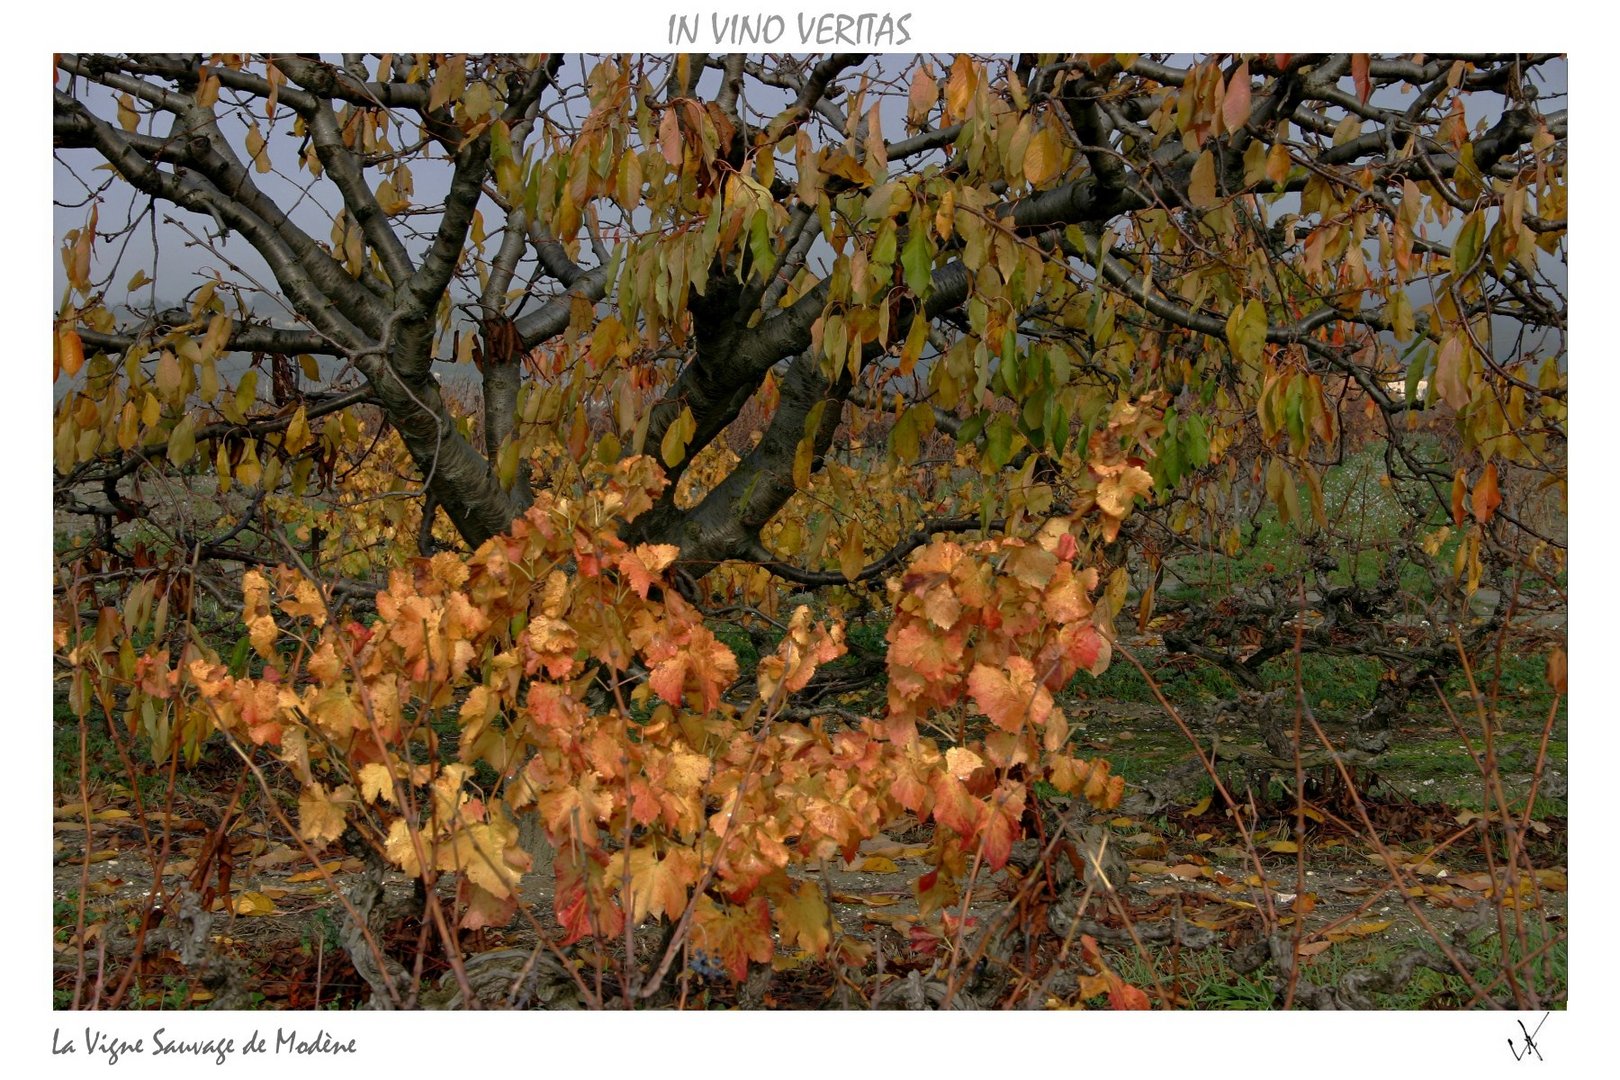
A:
(643, 564)
(960, 85)
(70, 350)
(1359, 70)
(734, 935)
(1487, 496)
(1010, 698)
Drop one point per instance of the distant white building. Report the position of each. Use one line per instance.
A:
(1397, 389)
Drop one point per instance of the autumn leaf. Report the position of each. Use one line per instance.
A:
(321, 814)
(657, 886)
(960, 85)
(673, 447)
(1010, 697)
(804, 919)
(1119, 488)
(1043, 157)
(734, 934)
(1235, 107)
(1360, 72)
(924, 95)
(256, 149)
(1558, 671)
(1487, 496)
(644, 563)
(852, 554)
(376, 782)
(70, 350)
(254, 903)
(669, 137)
(1201, 184)
(128, 118)
(1451, 372)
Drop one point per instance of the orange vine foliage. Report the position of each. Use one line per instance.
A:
(586, 691)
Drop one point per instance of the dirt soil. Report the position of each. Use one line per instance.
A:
(1188, 859)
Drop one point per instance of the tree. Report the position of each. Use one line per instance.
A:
(1133, 294)
(1017, 217)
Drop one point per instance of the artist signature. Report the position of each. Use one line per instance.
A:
(1529, 1047)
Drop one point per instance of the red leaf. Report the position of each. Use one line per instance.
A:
(1359, 64)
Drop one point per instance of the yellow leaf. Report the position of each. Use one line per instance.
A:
(1201, 185)
(128, 118)
(1198, 808)
(1363, 929)
(875, 900)
(673, 446)
(1043, 158)
(254, 903)
(1284, 847)
(1277, 163)
(852, 555)
(877, 864)
(255, 149)
(804, 920)
(376, 783)
(321, 814)
(316, 875)
(298, 435)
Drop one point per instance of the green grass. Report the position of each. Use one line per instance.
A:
(1205, 981)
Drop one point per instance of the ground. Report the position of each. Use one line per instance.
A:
(1187, 858)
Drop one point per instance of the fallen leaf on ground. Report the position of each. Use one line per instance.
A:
(1361, 929)
(870, 900)
(254, 903)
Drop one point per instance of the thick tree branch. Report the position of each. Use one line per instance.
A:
(194, 194)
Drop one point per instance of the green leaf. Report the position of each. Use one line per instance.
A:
(999, 435)
(883, 246)
(918, 261)
(1469, 238)
(1414, 372)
